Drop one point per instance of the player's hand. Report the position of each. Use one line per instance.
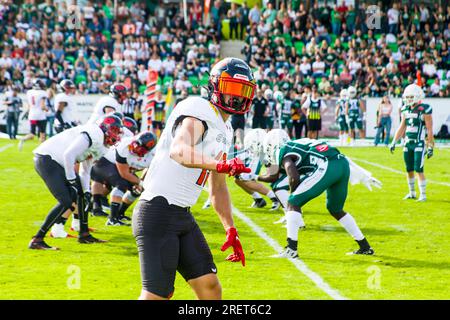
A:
(392, 147)
(429, 152)
(372, 182)
(233, 241)
(233, 167)
(87, 202)
(76, 186)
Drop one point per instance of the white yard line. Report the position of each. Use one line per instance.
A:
(298, 263)
(6, 147)
(396, 171)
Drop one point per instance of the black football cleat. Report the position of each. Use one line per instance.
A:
(259, 203)
(367, 252)
(39, 244)
(116, 223)
(88, 239)
(124, 218)
(99, 213)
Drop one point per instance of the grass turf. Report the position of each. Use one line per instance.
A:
(411, 241)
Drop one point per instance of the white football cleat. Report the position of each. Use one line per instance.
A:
(287, 253)
(422, 198)
(207, 204)
(281, 220)
(410, 196)
(58, 231)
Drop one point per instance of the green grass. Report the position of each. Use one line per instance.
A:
(411, 241)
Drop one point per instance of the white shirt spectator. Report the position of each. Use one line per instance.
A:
(424, 14)
(88, 12)
(169, 65)
(393, 15)
(142, 75)
(5, 62)
(182, 85)
(254, 15)
(429, 69)
(33, 35)
(191, 55)
(155, 64)
(435, 88)
(318, 66)
(20, 43)
(305, 67)
(354, 66)
(175, 45)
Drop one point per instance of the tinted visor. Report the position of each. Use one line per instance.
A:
(236, 87)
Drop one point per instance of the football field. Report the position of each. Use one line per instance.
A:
(411, 242)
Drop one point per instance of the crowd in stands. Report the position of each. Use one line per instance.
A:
(327, 46)
(379, 50)
(52, 41)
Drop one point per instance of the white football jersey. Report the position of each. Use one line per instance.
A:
(99, 109)
(56, 145)
(180, 185)
(68, 113)
(135, 162)
(34, 98)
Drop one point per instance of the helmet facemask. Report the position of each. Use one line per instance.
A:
(232, 95)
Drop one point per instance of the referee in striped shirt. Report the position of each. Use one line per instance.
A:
(129, 107)
(314, 107)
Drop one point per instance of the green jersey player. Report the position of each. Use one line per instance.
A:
(313, 167)
(355, 114)
(417, 126)
(341, 117)
(286, 106)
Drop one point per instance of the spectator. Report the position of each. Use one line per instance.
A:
(254, 16)
(243, 19)
(232, 15)
(384, 121)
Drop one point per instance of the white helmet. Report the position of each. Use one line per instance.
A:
(268, 94)
(343, 94)
(413, 94)
(278, 95)
(254, 141)
(351, 92)
(273, 142)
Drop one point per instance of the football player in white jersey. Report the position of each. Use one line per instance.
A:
(192, 148)
(55, 162)
(64, 106)
(254, 159)
(117, 168)
(117, 95)
(37, 108)
(130, 129)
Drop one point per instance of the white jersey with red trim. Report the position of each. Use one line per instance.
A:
(57, 145)
(99, 109)
(34, 98)
(68, 113)
(123, 150)
(180, 185)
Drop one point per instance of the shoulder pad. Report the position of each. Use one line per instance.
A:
(95, 134)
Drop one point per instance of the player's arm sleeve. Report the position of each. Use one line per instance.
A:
(120, 158)
(76, 148)
(85, 174)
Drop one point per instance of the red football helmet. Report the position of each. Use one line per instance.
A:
(112, 128)
(130, 124)
(143, 143)
(232, 86)
(119, 92)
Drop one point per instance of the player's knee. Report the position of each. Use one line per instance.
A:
(337, 214)
(213, 286)
(118, 192)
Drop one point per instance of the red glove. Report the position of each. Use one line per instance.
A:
(233, 241)
(233, 167)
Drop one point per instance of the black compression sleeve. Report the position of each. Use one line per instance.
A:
(58, 116)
